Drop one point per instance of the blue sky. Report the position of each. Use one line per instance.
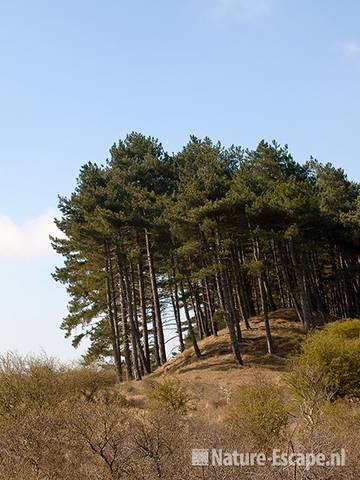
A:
(76, 75)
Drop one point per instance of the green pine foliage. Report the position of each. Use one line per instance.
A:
(157, 245)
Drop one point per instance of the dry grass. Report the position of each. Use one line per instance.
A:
(215, 376)
(216, 351)
(92, 431)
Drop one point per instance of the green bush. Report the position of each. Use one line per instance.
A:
(257, 410)
(168, 394)
(328, 367)
(344, 328)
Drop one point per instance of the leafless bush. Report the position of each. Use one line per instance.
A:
(28, 382)
(61, 424)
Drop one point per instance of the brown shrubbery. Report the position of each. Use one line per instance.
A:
(59, 423)
(28, 383)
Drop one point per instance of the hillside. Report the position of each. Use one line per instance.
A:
(61, 423)
(215, 374)
(216, 351)
(206, 235)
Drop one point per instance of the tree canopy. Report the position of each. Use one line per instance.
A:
(208, 237)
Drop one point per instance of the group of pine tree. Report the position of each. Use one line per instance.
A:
(207, 237)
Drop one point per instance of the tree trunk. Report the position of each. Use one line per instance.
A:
(301, 282)
(143, 363)
(269, 339)
(188, 319)
(155, 335)
(130, 311)
(125, 325)
(175, 298)
(263, 298)
(214, 329)
(230, 317)
(115, 340)
(142, 302)
(156, 302)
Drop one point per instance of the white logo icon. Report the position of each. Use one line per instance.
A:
(200, 457)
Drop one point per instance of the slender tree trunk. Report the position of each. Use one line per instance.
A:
(239, 290)
(124, 319)
(214, 329)
(116, 314)
(267, 286)
(219, 292)
(264, 301)
(115, 340)
(278, 274)
(142, 302)
(196, 315)
(155, 335)
(176, 307)
(316, 287)
(130, 312)
(176, 311)
(143, 363)
(284, 263)
(230, 320)
(346, 287)
(201, 313)
(245, 284)
(230, 317)
(301, 281)
(188, 319)
(156, 302)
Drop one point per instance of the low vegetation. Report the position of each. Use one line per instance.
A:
(328, 367)
(31, 383)
(61, 423)
(259, 411)
(168, 394)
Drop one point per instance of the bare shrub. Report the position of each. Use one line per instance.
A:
(39, 446)
(28, 382)
(103, 431)
(160, 442)
(338, 429)
(88, 381)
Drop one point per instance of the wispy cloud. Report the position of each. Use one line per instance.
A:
(351, 48)
(239, 9)
(29, 239)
